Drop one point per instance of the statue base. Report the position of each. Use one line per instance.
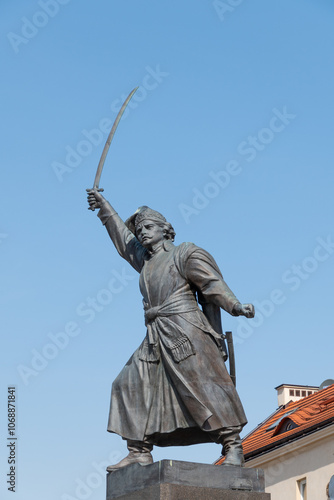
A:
(176, 480)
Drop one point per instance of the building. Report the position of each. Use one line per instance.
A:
(295, 445)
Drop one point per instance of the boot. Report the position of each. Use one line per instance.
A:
(233, 451)
(139, 453)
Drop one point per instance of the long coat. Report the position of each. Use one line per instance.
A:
(175, 389)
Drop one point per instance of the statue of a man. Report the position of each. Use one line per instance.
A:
(175, 389)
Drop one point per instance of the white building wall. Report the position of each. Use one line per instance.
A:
(311, 457)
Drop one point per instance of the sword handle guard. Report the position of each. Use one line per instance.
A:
(99, 190)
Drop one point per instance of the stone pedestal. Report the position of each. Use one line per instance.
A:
(175, 480)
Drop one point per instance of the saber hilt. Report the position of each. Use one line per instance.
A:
(100, 190)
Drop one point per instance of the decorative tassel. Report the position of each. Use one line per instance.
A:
(182, 349)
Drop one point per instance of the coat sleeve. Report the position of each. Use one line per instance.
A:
(124, 240)
(202, 271)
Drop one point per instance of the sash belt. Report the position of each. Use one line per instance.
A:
(171, 335)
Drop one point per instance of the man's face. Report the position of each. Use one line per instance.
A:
(149, 233)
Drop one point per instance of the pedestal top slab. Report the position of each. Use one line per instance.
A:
(137, 477)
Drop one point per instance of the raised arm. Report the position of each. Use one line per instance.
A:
(124, 240)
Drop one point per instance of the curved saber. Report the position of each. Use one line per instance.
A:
(108, 142)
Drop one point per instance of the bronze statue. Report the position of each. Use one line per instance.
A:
(175, 388)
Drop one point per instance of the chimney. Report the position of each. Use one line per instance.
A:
(290, 392)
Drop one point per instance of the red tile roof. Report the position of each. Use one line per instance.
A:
(290, 422)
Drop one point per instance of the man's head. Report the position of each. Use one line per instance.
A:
(150, 227)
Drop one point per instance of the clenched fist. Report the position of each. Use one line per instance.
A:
(95, 198)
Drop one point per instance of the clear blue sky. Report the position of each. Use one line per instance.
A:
(230, 136)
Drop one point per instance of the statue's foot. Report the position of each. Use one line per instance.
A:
(133, 457)
(233, 451)
(235, 456)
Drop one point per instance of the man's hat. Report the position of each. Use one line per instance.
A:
(143, 213)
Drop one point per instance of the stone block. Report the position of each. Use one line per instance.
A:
(176, 480)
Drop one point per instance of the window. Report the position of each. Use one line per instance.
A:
(275, 424)
(303, 394)
(301, 491)
(309, 393)
(292, 392)
(285, 425)
(298, 393)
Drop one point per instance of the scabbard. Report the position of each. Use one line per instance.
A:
(229, 340)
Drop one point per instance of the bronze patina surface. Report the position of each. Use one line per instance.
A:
(175, 388)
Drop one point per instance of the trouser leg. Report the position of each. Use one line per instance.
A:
(232, 446)
(139, 447)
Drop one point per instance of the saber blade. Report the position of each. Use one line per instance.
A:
(110, 138)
